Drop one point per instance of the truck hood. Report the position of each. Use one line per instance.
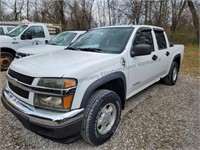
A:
(5, 38)
(40, 49)
(66, 63)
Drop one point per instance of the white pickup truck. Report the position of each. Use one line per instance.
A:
(5, 29)
(58, 42)
(83, 90)
(22, 35)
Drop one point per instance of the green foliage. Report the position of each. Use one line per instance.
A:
(183, 37)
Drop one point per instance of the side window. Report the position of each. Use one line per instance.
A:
(161, 41)
(1, 31)
(36, 31)
(143, 37)
(9, 28)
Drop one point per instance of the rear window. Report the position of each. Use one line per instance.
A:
(1, 31)
(161, 41)
(9, 28)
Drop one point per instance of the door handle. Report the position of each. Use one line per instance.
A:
(154, 57)
(167, 53)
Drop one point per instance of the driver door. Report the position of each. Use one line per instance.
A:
(34, 35)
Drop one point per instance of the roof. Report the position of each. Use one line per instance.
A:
(77, 31)
(135, 26)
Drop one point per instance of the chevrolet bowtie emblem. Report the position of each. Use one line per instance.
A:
(14, 82)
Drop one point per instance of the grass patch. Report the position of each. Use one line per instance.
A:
(191, 61)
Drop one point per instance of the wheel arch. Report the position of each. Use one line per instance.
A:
(177, 59)
(8, 50)
(115, 81)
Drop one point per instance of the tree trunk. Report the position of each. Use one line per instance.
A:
(15, 11)
(62, 15)
(27, 9)
(109, 15)
(194, 16)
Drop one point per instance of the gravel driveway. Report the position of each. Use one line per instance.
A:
(161, 117)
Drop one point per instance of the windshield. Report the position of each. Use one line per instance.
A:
(109, 40)
(62, 39)
(16, 31)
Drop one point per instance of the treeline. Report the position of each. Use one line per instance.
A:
(178, 17)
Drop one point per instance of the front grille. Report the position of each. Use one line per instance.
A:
(21, 77)
(19, 91)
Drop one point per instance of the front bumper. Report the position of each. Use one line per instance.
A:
(60, 128)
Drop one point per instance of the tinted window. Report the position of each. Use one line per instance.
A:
(143, 37)
(36, 31)
(161, 41)
(1, 31)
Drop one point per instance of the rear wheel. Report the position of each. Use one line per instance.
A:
(5, 60)
(172, 76)
(101, 117)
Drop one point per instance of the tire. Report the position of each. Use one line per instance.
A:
(101, 118)
(172, 76)
(5, 60)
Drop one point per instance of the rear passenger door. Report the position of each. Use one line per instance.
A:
(162, 49)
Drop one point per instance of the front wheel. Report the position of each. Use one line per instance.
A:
(5, 60)
(172, 76)
(101, 117)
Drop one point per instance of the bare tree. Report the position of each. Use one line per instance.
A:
(1, 10)
(136, 9)
(61, 4)
(194, 16)
(177, 10)
(16, 6)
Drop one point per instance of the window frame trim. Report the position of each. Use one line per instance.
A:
(163, 32)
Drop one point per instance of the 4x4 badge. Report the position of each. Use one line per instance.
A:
(123, 61)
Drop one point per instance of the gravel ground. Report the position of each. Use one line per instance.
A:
(161, 117)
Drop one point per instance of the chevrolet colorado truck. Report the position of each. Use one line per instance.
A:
(22, 35)
(58, 42)
(81, 91)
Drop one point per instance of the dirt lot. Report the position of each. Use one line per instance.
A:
(161, 117)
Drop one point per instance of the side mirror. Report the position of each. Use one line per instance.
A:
(141, 49)
(46, 41)
(171, 44)
(27, 35)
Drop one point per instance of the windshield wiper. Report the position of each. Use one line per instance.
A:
(92, 49)
(52, 44)
(72, 48)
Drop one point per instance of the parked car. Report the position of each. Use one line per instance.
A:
(59, 42)
(21, 36)
(82, 90)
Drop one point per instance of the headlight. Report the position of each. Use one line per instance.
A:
(61, 103)
(53, 102)
(57, 83)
